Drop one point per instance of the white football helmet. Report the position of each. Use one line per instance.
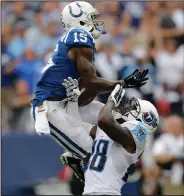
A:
(81, 14)
(143, 111)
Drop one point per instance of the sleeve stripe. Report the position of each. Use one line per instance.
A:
(63, 37)
(90, 36)
(139, 132)
(68, 34)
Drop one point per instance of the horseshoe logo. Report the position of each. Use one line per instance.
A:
(76, 15)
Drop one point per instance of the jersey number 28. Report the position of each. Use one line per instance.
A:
(99, 155)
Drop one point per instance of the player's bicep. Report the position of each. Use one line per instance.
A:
(85, 67)
(117, 133)
(126, 140)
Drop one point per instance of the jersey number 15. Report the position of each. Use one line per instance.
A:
(80, 37)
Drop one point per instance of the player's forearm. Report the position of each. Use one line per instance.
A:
(93, 88)
(86, 97)
(107, 123)
(105, 115)
(101, 85)
(113, 129)
(88, 75)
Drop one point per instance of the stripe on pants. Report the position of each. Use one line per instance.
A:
(67, 141)
(61, 143)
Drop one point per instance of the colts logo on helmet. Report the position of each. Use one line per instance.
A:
(150, 119)
(76, 15)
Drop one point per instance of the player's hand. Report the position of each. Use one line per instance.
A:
(136, 79)
(72, 89)
(117, 95)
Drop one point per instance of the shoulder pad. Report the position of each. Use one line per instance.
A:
(137, 129)
(140, 132)
(78, 37)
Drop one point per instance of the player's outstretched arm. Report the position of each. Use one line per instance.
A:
(111, 127)
(84, 56)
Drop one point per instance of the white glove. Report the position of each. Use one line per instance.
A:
(117, 95)
(72, 89)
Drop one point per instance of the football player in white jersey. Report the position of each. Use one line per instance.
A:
(117, 147)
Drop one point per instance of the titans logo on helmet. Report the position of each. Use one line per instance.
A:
(150, 119)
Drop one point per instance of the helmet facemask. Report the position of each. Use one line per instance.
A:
(129, 107)
(140, 110)
(98, 26)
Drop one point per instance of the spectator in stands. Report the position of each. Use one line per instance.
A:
(172, 22)
(152, 7)
(17, 44)
(143, 62)
(7, 34)
(136, 9)
(127, 54)
(150, 171)
(129, 64)
(168, 152)
(108, 62)
(50, 11)
(123, 30)
(175, 10)
(6, 8)
(27, 71)
(34, 33)
(48, 39)
(145, 34)
(17, 13)
(7, 77)
(108, 8)
(169, 60)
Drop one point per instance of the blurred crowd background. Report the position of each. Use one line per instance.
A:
(140, 35)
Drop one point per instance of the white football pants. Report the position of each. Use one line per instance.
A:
(70, 126)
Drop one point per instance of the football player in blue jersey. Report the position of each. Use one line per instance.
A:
(73, 57)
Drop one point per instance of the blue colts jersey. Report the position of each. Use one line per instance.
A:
(60, 66)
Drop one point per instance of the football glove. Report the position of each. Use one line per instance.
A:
(72, 89)
(136, 79)
(117, 95)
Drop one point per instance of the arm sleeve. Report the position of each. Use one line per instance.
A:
(139, 133)
(79, 37)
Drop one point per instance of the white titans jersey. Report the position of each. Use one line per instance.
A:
(110, 163)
